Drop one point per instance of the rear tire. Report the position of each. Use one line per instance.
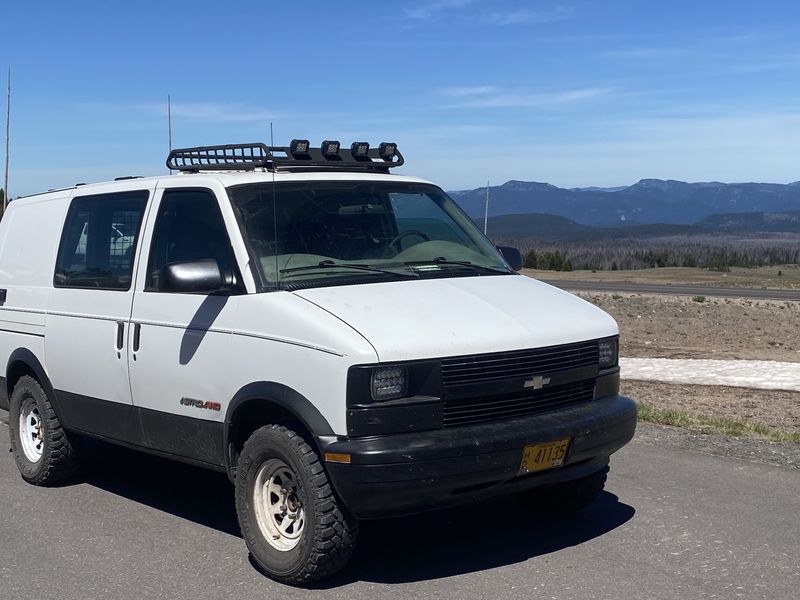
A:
(44, 453)
(292, 522)
(564, 499)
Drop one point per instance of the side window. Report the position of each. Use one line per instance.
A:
(189, 227)
(98, 243)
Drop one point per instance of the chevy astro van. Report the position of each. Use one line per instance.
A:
(342, 341)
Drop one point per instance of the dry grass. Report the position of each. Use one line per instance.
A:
(732, 411)
(721, 425)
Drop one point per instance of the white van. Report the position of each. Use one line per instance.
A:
(344, 343)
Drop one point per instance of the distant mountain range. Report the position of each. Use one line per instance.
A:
(554, 227)
(645, 202)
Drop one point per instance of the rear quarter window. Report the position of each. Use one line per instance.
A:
(99, 239)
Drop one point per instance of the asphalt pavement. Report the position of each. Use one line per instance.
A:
(676, 290)
(673, 523)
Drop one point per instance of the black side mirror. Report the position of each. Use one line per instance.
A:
(512, 255)
(192, 277)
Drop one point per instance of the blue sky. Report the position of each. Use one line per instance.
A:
(583, 92)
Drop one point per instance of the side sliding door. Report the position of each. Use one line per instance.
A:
(89, 311)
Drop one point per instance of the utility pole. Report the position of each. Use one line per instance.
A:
(8, 137)
(486, 212)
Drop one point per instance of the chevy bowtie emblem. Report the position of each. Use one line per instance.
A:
(537, 382)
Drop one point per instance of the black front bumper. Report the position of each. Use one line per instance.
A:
(405, 473)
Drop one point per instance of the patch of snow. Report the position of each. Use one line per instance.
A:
(758, 374)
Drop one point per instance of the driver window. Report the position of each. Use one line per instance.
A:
(189, 227)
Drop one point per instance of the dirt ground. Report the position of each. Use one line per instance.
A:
(777, 277)
(726, 328)
(776, 409)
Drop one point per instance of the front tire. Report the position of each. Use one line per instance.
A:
(292, 522)
(44, 453)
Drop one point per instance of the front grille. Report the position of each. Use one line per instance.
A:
(483, 368)
(489, 387)
(468, 411)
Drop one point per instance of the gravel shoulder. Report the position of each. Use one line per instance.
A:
(776, 454)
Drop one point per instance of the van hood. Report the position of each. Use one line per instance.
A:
(434, 318)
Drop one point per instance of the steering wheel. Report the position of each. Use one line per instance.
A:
(396, 241)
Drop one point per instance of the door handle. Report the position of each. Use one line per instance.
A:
(137, 333)
(120, 335)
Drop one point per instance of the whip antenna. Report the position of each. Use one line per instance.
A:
(169, 124)
(274, 208)
(486, 211)
(8, 137)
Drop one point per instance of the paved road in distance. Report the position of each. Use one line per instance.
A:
(673, 523)
(676, 290)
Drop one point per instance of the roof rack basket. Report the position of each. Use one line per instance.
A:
(230, 157)
(299, 156)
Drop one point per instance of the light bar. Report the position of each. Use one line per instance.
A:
(360, 150)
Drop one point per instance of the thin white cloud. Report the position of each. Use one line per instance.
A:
(465, 91)
(517, 17)
(733, 146)
(494, 98)
(769, 64)
(647, 52)
(212, 111)
(434, 9)
(478, 12)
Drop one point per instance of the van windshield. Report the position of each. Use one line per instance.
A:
(316, 233)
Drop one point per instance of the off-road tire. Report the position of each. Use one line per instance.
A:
(329, 532)
(59, 460)
(564, 499)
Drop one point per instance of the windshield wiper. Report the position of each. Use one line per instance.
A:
(329, 264)
(459, 263)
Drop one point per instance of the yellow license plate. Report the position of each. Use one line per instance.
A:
(543, 456)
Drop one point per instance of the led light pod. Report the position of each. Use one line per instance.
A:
(299, 148)
(360, 150)
(330, 148)
(387, 151)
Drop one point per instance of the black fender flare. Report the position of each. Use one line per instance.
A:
(29, 359)
(285, 397)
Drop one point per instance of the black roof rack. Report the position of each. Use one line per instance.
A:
(298, 156)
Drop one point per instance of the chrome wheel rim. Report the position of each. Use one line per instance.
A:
(31, 431)
(279, 509)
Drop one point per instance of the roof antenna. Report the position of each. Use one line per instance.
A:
(486, 211)
(169, 123)
(274, 208)
(8, 137)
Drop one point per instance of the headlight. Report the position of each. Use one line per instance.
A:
(389, 383)
(609, 352)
